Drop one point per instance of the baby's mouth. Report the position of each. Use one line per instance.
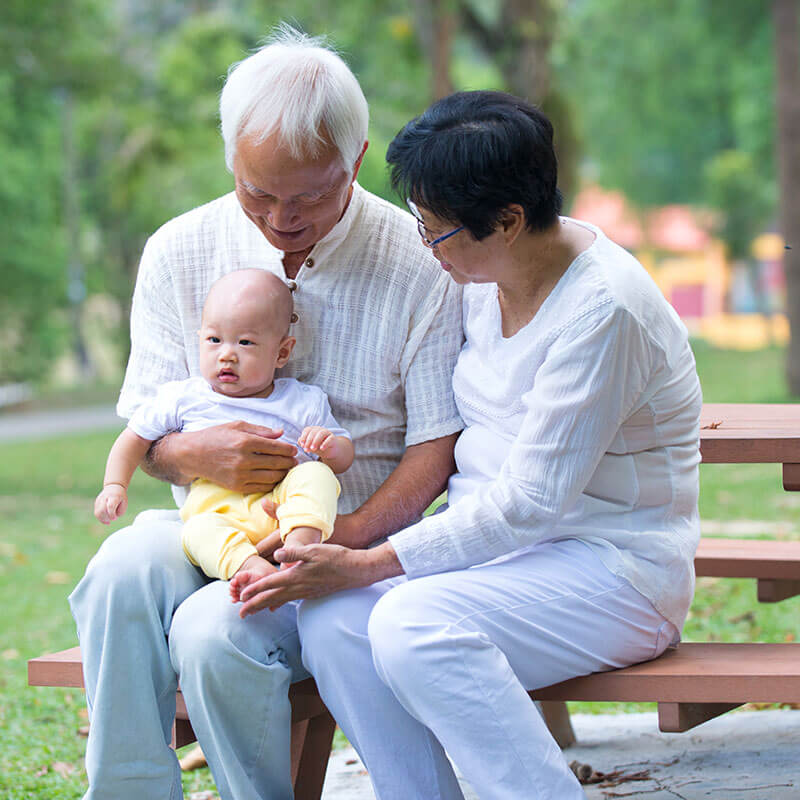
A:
(227, 376)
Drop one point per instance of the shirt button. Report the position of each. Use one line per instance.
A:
(292, 285)
(309, 262)
(293, 318)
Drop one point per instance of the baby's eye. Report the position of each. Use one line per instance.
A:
(213, 339)
(246, 342)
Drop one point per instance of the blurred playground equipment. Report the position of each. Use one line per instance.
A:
(731, 304)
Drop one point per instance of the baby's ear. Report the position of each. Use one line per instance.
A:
(285, 350)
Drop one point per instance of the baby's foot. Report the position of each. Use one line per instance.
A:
(253, 569)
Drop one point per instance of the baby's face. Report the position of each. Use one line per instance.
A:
(240, 351)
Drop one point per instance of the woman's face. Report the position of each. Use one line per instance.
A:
(464, 257)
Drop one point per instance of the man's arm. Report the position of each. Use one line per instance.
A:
(240, 456)
(416, 482)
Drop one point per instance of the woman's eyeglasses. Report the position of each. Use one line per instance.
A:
(423, 231)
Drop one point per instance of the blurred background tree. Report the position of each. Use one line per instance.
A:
(108, 122)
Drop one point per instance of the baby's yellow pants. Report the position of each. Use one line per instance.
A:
(221, 527)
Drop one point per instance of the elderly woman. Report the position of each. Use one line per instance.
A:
(568, 543)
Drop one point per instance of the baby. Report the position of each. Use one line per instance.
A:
(243, 340)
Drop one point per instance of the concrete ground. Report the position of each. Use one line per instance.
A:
(748, 755)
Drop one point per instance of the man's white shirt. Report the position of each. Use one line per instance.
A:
(378, 323)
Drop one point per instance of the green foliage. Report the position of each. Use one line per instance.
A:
(662, 87)
(47, 49)
(663, 92)
(737, 188)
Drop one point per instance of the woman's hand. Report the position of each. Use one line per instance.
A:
(321, 569)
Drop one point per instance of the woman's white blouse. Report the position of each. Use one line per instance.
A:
(584, 424)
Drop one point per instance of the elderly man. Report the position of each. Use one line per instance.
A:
(378, 327)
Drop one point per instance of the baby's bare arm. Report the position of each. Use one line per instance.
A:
(126, 454)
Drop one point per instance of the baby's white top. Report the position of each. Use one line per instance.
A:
(192, 405)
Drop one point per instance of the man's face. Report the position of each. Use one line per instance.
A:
(294, 203)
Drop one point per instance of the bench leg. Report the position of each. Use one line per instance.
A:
(680, 717)
(182, 733)
(791, 477)
(773, 590)
(556, 717)
(311, 748)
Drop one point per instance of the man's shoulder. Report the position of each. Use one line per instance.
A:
(375, 211)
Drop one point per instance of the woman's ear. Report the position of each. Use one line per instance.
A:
(512, 222)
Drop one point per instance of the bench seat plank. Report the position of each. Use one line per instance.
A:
(748, 558)
(774, 564)
(64, 669)
(695, 672)
(692, 683)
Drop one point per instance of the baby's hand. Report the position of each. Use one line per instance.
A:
(111, 503)
(315, 439)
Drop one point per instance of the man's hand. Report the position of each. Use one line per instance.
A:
(269, 544)
(238, 455)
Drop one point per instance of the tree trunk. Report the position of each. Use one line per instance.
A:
(435, 21)
(787, 81)
(520, 43)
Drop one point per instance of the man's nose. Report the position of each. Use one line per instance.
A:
(283, 216)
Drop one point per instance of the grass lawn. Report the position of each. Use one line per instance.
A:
(48, 533)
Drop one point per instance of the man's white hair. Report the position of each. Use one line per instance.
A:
(297, 86)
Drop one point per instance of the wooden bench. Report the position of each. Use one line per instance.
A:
(690, 684)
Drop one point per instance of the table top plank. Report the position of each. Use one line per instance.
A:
(750, 433)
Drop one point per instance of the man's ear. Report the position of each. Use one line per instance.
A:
(285, 350)
(512, 222)
(360, 158)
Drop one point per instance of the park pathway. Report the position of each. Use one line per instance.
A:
(22, 425)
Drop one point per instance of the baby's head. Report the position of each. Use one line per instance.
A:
(244, 332)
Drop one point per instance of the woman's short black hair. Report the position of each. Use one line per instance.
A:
(473, 154)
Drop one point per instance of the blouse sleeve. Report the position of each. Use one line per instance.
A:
(594, 372)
